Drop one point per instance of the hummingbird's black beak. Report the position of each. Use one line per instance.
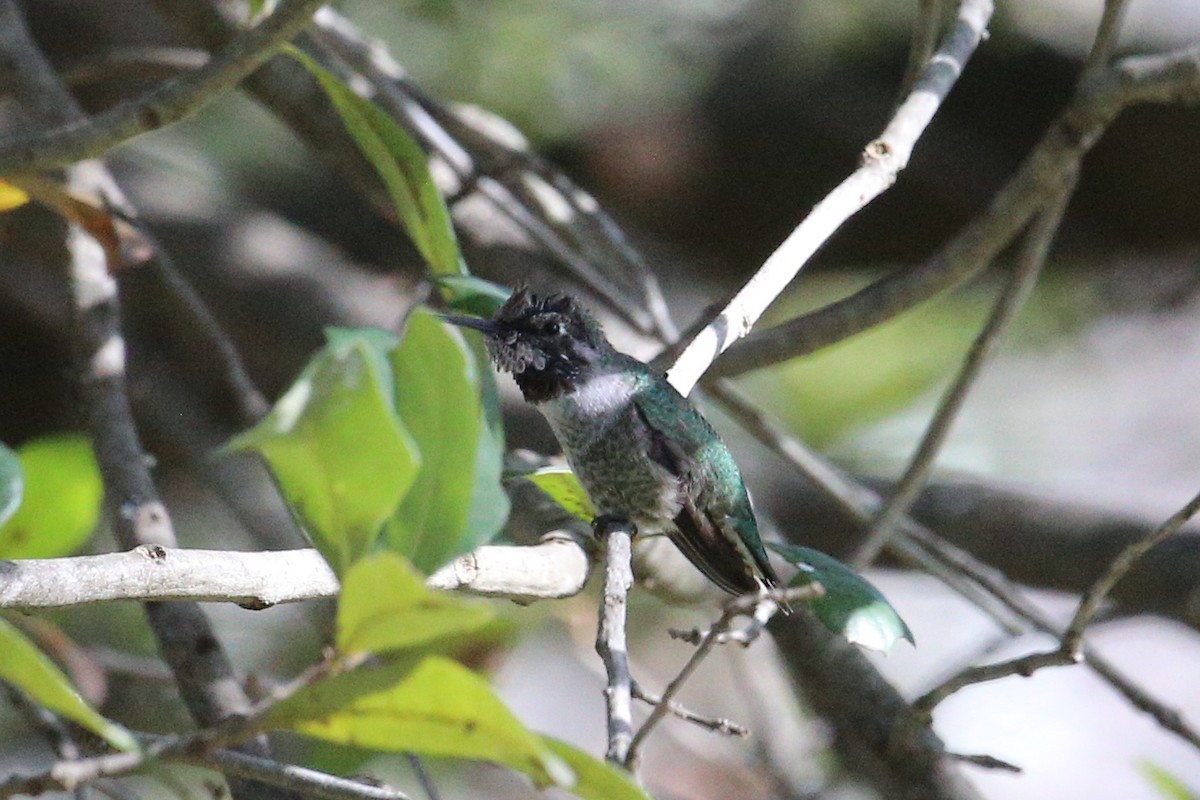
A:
(485, 326)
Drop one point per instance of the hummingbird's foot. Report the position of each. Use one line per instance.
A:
(605, 524)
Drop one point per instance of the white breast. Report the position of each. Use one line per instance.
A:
(584, 413)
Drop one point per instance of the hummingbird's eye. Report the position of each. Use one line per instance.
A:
(553, 329)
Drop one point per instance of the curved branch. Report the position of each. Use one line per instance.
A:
(1170, 78)
(170, 102)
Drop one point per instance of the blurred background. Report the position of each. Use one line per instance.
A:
(708, 129)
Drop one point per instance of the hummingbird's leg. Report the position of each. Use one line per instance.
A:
(606, 523)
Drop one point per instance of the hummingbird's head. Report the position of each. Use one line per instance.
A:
(547, 342)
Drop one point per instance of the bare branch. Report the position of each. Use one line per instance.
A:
(760, 607)
(1091, 600)
(1012, 297)
(1169, 78)
(301, 780)
(883, 159)
(1070, 650)
(170, 102)
(725, 727)
(557, 567)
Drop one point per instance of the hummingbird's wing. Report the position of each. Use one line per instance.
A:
(706, 536)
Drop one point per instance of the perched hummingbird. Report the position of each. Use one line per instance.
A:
(641, 450)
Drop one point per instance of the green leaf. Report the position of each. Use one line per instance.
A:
(1166, 784)
(61, 502)
(470, 295)
(25, 666)
(565, 489)
(12, 483)
(384, 605)
(851, 606)
(489, 502)
(402, 165)
(595, 779)
(437, 396)
(439, 708)
(334, 442)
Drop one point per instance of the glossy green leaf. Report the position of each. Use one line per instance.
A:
(439, 708)
(1166, 784)
(12, 483)
(565, 489)
(470, 295)
(60, 506)
(851, 606)
(403, 167)
(385, 606)
(437, 396)
(23, 665)
(596, 779)
(340, 453)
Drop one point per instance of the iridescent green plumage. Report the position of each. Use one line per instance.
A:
(640, 449)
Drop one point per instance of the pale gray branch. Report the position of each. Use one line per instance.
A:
(557, 567)
(882, 160)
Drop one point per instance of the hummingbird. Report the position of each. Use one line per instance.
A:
(641, 450)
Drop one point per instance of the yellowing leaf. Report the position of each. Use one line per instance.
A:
(11, 197)
(384, 605)
(565, 489)
(25, 666)
(439, 708)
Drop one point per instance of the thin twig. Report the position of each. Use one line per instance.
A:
(250, 403)
(983, 586)
(1092, 599)
(611, 640)
(170, 102)
(1070, 650)
(725, 727)
(301, 780)
(1012, 298)
(760, 607)
(883, 159)
(1105, 42)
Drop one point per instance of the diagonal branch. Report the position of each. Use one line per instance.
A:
(882, 161)
(1071, 646)
(170, 102)
(1170, 78)
(1012, 297)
